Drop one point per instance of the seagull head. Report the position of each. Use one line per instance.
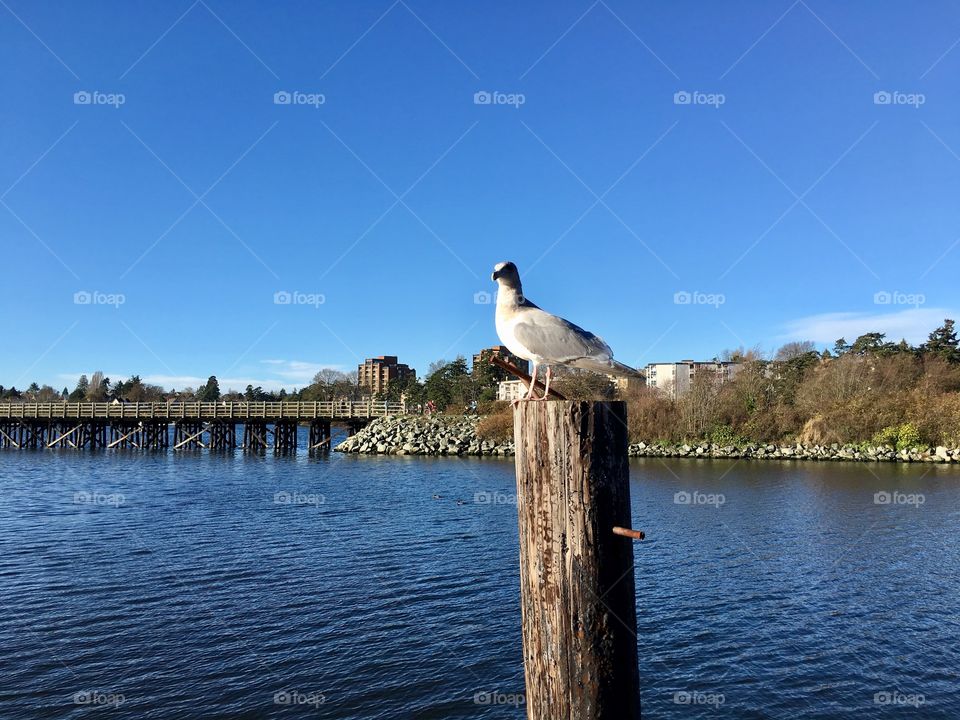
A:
(506, 274)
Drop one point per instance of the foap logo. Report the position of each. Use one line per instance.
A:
(484, 97)
(482, 297)
(698, 498)
(895, 697)
(98, 698)
(295, 97)
(898, 498)
(284, 297)
(494, 697)
(95, 297)
(95, 497)
(294, 697)
(695, 697)
(884, 297)
(683, 297)
(895, 97)
(95, 97)
(684, 97)
(298, 498)
(494, 498)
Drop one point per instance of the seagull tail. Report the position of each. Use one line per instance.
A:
(618, 368)
(608, 367)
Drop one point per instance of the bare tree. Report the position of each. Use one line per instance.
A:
(795, 349)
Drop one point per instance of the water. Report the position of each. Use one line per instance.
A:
(201, 586)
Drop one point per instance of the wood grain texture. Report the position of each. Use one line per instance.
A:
(576, 575)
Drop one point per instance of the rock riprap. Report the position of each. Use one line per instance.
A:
(453, 435)
(855, 453)
(417, 435)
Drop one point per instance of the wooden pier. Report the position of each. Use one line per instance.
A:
(196, 425)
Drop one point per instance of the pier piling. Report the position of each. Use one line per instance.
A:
(576, 575)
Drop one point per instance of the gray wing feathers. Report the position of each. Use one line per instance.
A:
(558, 340)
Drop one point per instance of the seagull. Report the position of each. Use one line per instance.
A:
(544, 339)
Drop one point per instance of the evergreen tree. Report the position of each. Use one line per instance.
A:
(209, 392)
(79, 393)
(942, 342)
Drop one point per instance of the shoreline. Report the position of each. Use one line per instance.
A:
(446, 435)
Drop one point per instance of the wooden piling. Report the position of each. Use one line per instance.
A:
(576, 576)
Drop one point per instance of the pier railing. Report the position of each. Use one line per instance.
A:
(235, 411)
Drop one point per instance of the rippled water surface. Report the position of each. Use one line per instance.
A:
(208, 586)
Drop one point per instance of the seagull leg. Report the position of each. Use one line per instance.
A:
(546, 388)
(533, 384)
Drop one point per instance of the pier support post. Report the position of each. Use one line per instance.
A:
(255, 436)
(319, 439)
(285, 436)
(576, 575)
(223, 435)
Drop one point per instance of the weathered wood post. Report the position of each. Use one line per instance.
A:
(576, 574)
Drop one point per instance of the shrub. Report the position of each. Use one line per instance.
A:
(724, 435)
(901, 437)
(497, 427)
(651, 415)
(492, 407)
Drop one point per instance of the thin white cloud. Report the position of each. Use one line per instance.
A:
(912, 324)
(297, 370)
(278, 374)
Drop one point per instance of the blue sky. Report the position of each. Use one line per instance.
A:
(678, 177)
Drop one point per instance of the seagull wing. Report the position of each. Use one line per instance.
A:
(558, 341)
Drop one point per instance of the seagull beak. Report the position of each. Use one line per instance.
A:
(493, 276)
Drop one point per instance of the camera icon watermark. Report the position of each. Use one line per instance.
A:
(98, 698)
(285, 297)
(695, 97)
(695, 697)
(494, 697)
(895, 697)
(482, 297)
(294, 697)
(95, 497)
(484, 97)
(895, 97)
(95, 297)
(285, 497)
(494, 498)
(896, 497)
(95, 97)
(295, 97)
(684, 297)
(698, 498)
(884, 297)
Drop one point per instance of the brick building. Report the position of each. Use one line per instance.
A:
(376, 374)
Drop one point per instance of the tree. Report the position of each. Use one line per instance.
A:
(449, 383)
(331, 384)
(840, 347)
(697, 407)
(98, 388)
(80, 391)
(209, 392)
(870, 343)
(740, 355)
(583, 385)
(943, 343)
(487, 376)
(795, 349)
(47, 394)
